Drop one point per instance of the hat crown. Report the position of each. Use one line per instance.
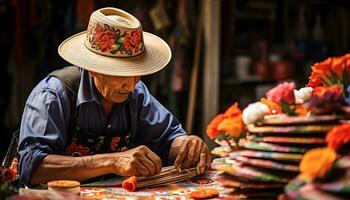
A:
(114, 32)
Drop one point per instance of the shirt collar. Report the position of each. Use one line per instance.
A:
(87, 91)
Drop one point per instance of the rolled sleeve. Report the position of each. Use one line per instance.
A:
(157, 127)
(30, 158)
(43, 126)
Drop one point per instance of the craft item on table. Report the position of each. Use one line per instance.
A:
(291, 140)
(130, 184)
(241, 170)
(268, 155)
(267, 164)
(291, 120)
(65, 186)
(179, 191)
(235, 182)
(39, 194)
(272, 147)
(221, 151)
(204, 193)
(168, 175)
(300, 129)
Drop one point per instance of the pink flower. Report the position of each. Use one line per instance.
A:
(282, 92)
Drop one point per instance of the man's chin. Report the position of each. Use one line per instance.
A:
(120, 99)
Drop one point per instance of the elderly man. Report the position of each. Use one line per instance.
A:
(105, 121)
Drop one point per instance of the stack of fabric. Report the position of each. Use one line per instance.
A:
(325, 172)
(260, 149)
(269, 156)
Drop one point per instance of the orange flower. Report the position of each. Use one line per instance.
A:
(338, 66)
(321, 91)
(233, 111)
(330, 72)
(212, 128)
(338, 136)
(319, 72)
(233, 126)
(301, 110)
(317, 162)
(230, 122)
(274, 107)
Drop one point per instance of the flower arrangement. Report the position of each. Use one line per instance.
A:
(227, 126)
(9, 180)
(330, 80)
(332, 71)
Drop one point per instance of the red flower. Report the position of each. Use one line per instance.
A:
(104, 38)
(212, 128)
(136, 37)
(338, 136)
(133, 40)
(282, 92)
(130, 184)
(114, 142)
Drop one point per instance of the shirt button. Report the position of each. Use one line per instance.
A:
(109, 126)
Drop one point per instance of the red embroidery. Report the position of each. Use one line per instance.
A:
(77, 150)
(114, 143)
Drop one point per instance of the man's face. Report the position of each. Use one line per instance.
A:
(114, 88)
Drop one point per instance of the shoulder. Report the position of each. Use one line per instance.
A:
(49, 85)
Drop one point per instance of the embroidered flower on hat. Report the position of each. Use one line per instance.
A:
(104, 38)
(107, 39)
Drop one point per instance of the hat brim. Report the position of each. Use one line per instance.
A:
(155, 57)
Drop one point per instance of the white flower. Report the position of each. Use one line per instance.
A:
(254, 112)
(302, 95)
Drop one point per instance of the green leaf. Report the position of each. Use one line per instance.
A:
(288, 108)
(328, 81)
(221, 136)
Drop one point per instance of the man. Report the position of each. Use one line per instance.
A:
(119, 128)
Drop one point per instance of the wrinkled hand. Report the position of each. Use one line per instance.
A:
(190, 151)
(139, 161)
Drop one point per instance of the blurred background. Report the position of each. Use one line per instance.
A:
(224, 51)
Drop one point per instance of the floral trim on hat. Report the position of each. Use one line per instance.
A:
(107, 39)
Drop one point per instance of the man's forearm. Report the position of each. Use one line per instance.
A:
(55, 167)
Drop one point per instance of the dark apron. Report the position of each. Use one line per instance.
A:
(84, 143)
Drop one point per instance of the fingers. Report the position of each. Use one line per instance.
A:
(208, 159)
(140, 161)
(181, 156)
(156, 162)
(202, 163)
(193, 154)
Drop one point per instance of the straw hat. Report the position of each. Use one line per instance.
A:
(114, 44)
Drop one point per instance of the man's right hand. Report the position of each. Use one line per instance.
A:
(139, 161)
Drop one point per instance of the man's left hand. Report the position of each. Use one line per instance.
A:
(190, 151)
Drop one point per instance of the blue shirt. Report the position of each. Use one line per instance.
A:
(46, 116)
